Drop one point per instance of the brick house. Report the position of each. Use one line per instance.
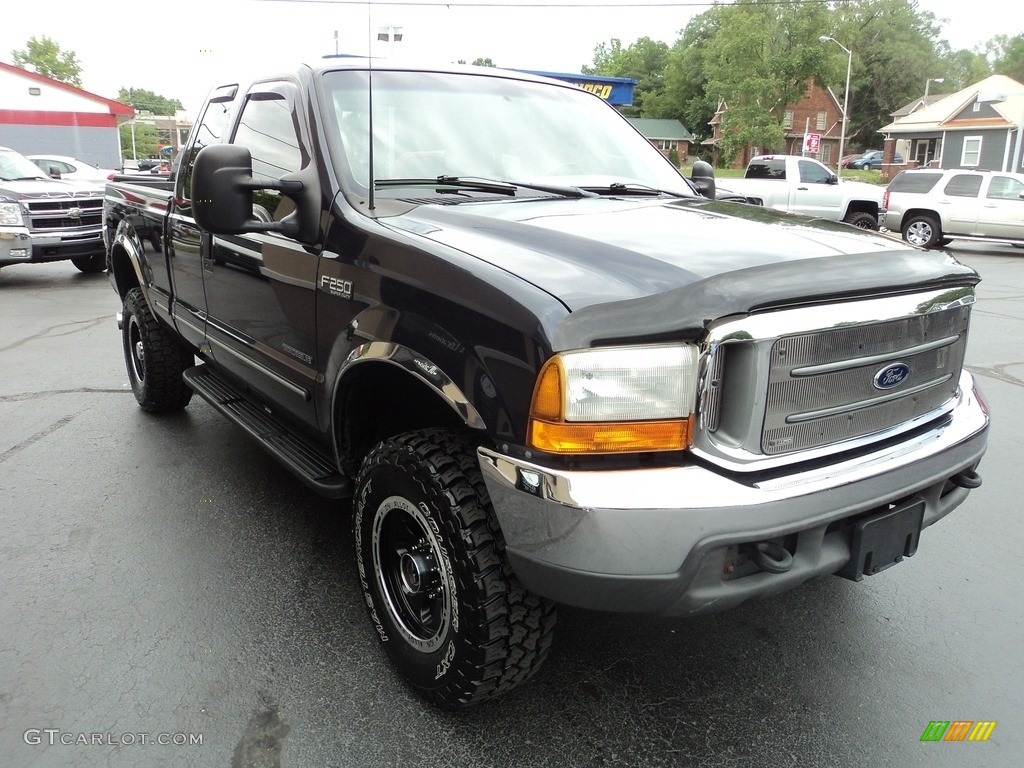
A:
(819, 111)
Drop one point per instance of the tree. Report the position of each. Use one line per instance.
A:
(145, 140)
(759, 59)
(46, 57)
(483, 62)
(643, 61)
(896, 48)
(1007, 54)
(147, 101)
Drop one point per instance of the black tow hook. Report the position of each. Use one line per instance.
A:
(967, 479)
(771, 557)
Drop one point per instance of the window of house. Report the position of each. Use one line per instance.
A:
(976, 107)
(822, 117)
(826, 154)
(787, 119)
(971, 155)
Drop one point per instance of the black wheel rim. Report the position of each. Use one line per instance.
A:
(413, 573)
(136, 350)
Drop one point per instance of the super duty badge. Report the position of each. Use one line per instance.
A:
(336, 286)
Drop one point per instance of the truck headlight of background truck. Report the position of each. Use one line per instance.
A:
(616, 399)
(10, 215)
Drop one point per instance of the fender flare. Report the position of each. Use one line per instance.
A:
(419, 367)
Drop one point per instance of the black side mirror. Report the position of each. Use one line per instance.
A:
(54, 172)
(703, 178)
(222, 199)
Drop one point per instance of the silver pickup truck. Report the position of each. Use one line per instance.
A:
(42, 219)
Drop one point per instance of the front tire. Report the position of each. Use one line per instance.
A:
(922, 230)
(862, 220)
(438, 586)
(154, 356)
(91, 264)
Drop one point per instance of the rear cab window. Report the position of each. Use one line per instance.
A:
(767, 168)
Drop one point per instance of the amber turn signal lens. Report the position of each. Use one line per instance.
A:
(547, 395)
(614, 437)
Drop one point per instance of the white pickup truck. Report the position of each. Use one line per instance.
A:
(803, 185)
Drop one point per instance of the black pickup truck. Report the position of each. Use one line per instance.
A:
(545, 366)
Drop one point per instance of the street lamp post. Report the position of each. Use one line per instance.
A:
(931, 80)
(846, 97)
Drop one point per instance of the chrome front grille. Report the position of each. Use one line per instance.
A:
(822, 388)
(75, 212)
(794, 384)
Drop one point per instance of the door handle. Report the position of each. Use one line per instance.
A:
(803, 188)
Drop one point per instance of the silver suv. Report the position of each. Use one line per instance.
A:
(933, 207)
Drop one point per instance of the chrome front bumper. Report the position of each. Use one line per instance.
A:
(661, 540)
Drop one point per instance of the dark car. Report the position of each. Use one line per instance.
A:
(872, 159)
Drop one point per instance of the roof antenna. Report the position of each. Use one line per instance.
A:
(369, 95)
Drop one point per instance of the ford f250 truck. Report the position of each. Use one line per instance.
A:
(803, 185)
(42, 219)
(544, 366)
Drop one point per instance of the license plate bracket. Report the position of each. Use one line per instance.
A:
(883, 539)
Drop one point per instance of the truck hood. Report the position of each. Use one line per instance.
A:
(637, 270)
(592, 251)
(43, 188)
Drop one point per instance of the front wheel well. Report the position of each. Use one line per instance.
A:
(377, 401)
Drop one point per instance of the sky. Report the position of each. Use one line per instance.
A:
(188, 45)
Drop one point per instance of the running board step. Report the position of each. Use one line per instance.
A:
(308, 461)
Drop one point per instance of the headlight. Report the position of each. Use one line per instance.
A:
(616, 399)
(10, 214)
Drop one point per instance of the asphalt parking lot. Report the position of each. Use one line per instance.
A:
(163, 577)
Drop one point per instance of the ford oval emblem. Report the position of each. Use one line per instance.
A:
(892, 376)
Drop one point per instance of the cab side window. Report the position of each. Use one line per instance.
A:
(211, 130)
(267, 128)
(812, 173)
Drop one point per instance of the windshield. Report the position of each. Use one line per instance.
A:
(14, 166)
(428, 124)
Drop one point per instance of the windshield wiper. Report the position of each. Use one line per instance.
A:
(475, 185)
(27, 178)
(479, 184)
(618, 188)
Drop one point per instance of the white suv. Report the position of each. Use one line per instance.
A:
(933, 207)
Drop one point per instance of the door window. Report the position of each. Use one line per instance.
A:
(267, 129)
(1005, 188)
(209, 131)
(812, 173)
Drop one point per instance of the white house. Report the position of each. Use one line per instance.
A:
(976, 127)
(45, 116)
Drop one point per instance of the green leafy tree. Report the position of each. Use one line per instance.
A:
(147, 101)
(896, 48)
(760, 59)
(685, 96)
(643, 61)
(145, 140)
(1007, 54)
(47, 58)
(483, 62)
(959, 69)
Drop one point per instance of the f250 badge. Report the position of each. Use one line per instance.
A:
(336, 286)
(892, 376)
